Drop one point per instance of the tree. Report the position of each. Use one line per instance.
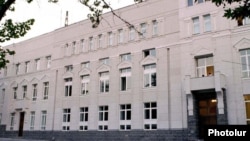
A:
(241, 11)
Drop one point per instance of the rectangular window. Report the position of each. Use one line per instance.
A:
(43, 120)
(74, 49)
(34, 93)
(68, 87)
(24, 91)
(190, 2)
(131, 33)
(91, 43)
(155, 28)
(126, 57)
(14, 92)
(246, 21)
(12, 121)
(3, 95)
(125, 79)
(149, 52)
(69, 68)
(245, 62)
(85, 85)
(32, 120)
(0, 118)
(104, 61)
(150, 116)
(27, 65)
(104, 82)
(83, 46)
(143, 30)
(207, 23)
(17, 68)
(84, 115)
(103, 118)
(110, 38)
(48, 61)
(247, 103)
(45, 90)
(196, 25)
(85, 65)
(125, 117)
(150, 75)
(100, 41)
(66, 119)
(37, 64)
(205, 66)
(120, 36)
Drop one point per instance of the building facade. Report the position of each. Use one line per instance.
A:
(181, 66)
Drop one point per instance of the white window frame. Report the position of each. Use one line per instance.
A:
(84, 117)
(125, 77)
(245, 62)
(148, 74)
(143, 30)
(100, 41)
(125, 116)
(48, 59)
(83, 46)
(66, 119)
(196, 25)
(34, 92)
(149, 52)
(74, 48)
(27, 64)
(203, 70)
(131, 33)
(37, 64)
(155, 28)
(91, 43)
(85, 65)
(207, 23)
(120, 36)
(126, 57)
(12, 121)
(43, 120)
(110, 39)
(151, 120)
(85, 84)
(15, 92)
(104, 82)
(45, 90)
(69, 68)
(25, 88)
(17, 68)
(104, 61)
(32, 120)
(103, 118)
(0, 118)
(68, 87)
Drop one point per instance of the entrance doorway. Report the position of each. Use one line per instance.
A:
(21, 122)
(207, 111)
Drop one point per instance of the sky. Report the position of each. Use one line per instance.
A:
(49, 16)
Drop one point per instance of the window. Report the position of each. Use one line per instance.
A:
(83, 46)
(91, 43)
(84, 118)
(68, 87)
(3, 95)
(66, 119)
(68, 68)
(155, 28)
(247, 103)
(110, 38)
(74, 49)
(104, 82)
(150, 115)
(85, 85)
(207, 23)
(45, 90)
(125, 117)
(66, 50)
(205, 66)
(48, 60)
(103, 118)
(14, 92)
(143, 30)
(120, 36)
(34, 93)
(85, 65)
(245, 62)
(0, 118)
(125, 79)
(43, 120)
(100, 41)
(131, 33)
(12, 121)
(149, 52)
(37, 64)
(150, 75)
(126, 57)
(24, 91)
(193, 2)
(26, 67)
(196, 25)
(17, 68)
(104, 61)
(32, 120)
(246, 21)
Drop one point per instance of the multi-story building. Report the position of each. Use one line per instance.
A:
(181, 66)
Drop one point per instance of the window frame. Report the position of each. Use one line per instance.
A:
(148, 74)
(150, 116)
(68, 87)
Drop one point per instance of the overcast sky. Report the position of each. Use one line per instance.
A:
(49, 17)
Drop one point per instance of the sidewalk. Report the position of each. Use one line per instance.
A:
(15, 139)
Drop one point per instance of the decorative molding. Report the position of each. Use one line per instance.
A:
(242, 44)
(84, 71)
(149, 60)
(68, 75)
(125, 64)
(103, 68)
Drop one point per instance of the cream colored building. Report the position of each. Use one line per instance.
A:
(190, 67)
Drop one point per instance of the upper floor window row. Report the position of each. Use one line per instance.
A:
(245, 62)
(194, 2)
(202, 24)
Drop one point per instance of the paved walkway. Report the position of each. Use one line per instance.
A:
(11, 139)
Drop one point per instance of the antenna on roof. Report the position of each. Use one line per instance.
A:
(67, 18)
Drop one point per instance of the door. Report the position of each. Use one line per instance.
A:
(21, 122)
